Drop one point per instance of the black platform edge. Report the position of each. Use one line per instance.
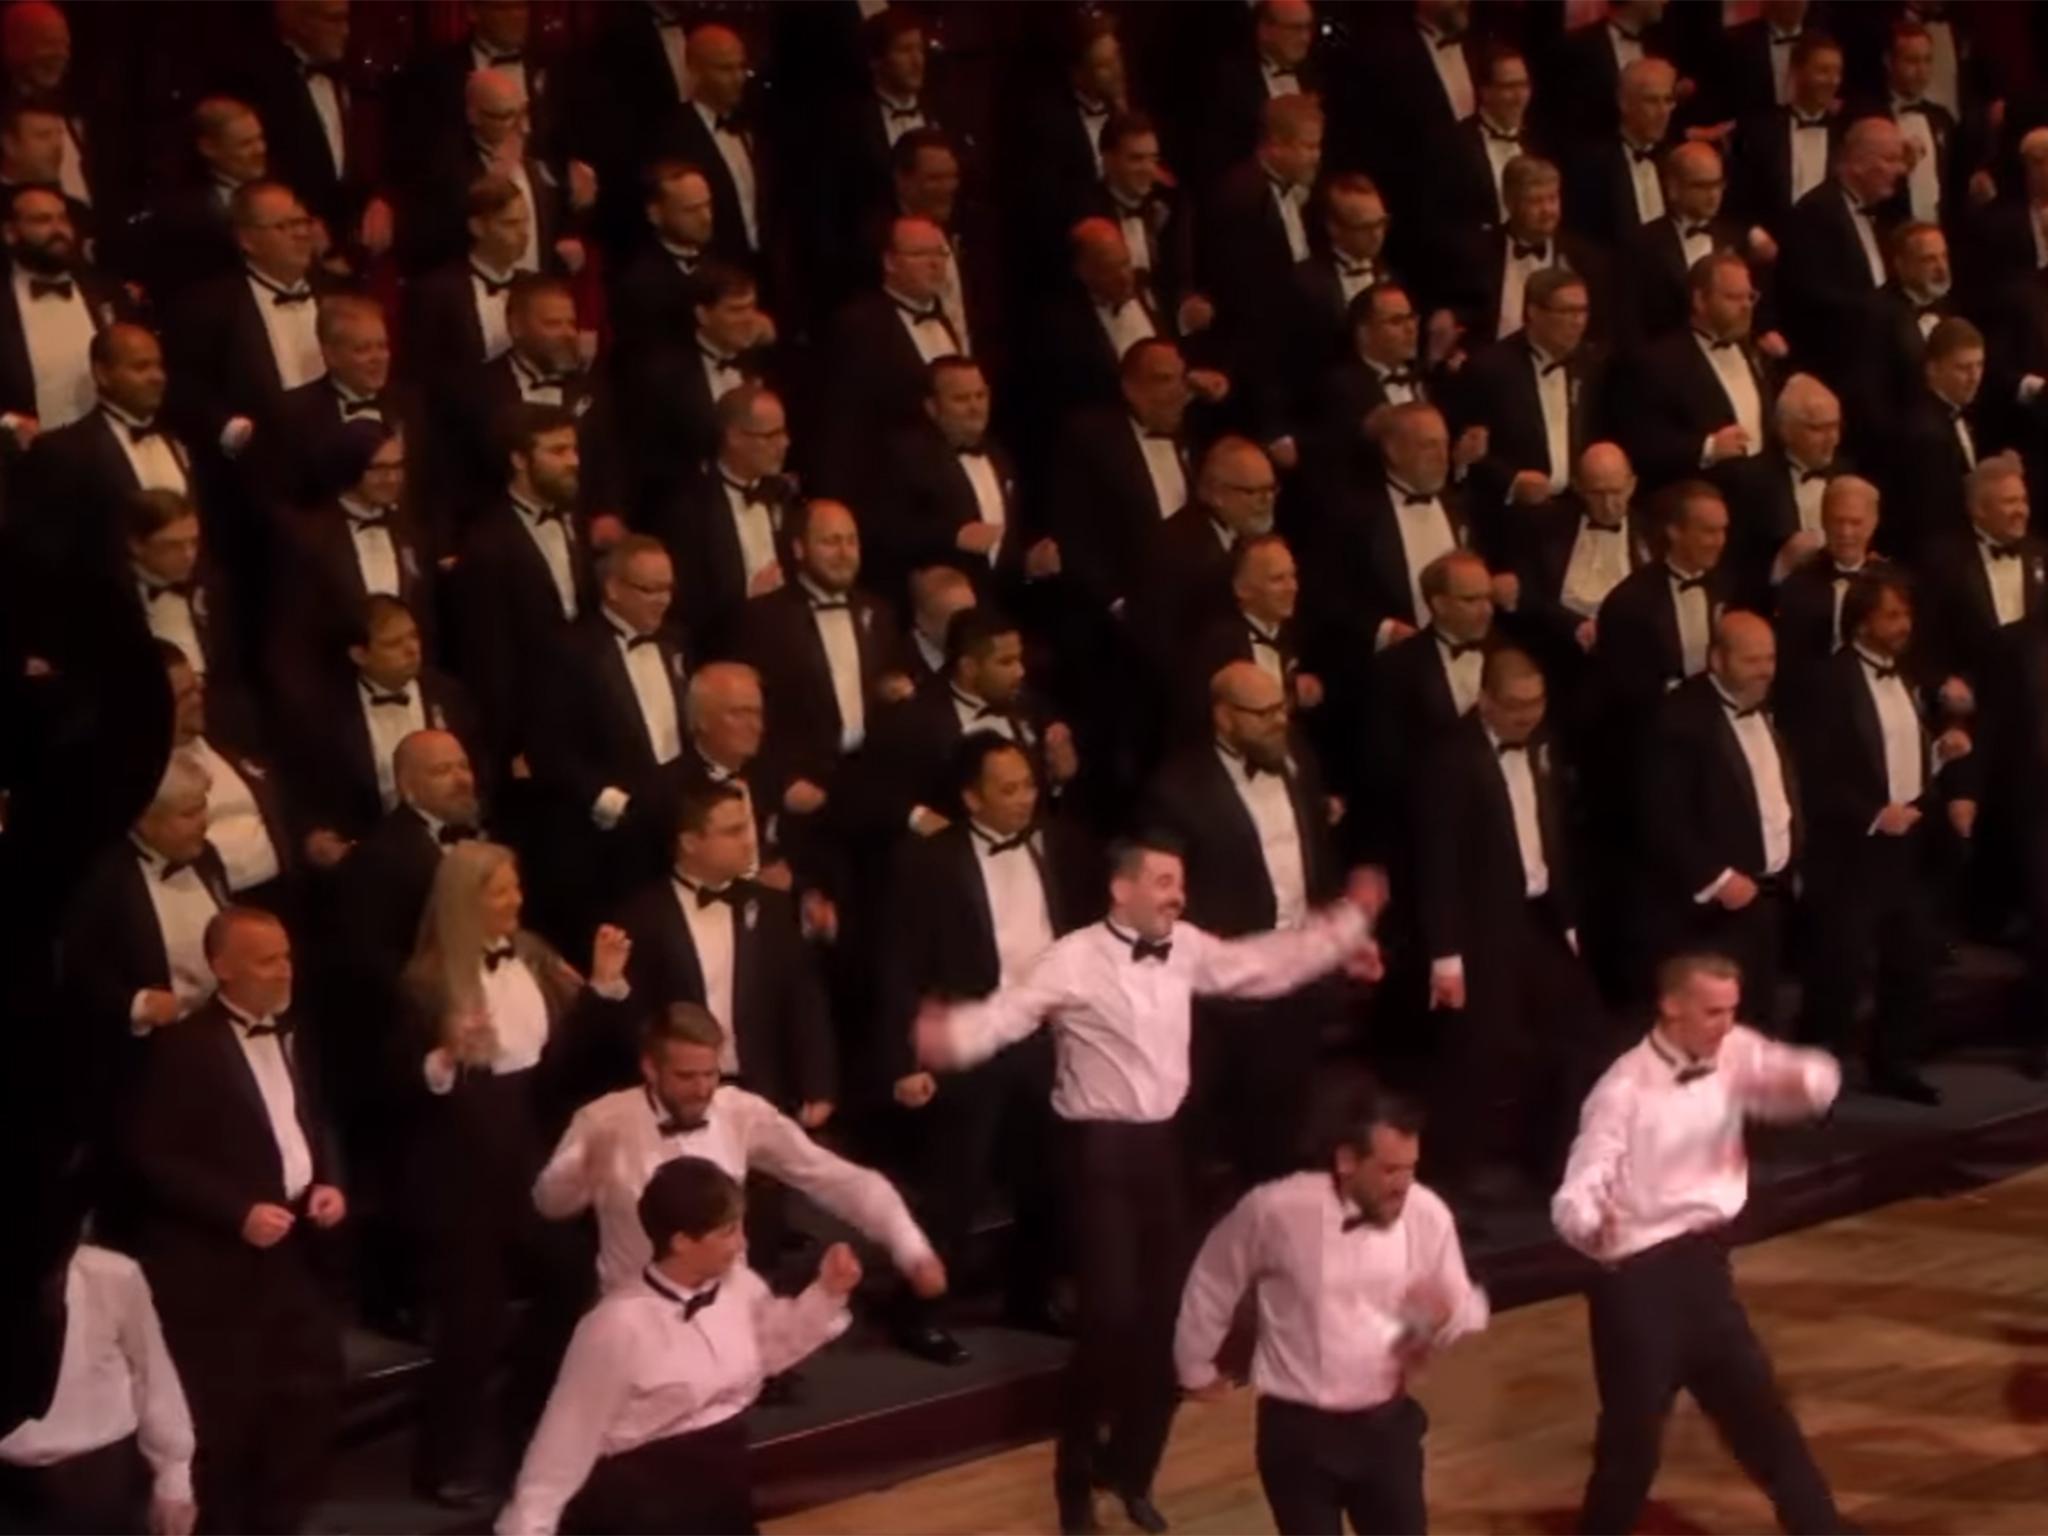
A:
(875, 1451)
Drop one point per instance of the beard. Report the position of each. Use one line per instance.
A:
(46, 260)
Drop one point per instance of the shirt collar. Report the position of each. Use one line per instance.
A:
(124, 417)
(819, 594)
(244, 1022)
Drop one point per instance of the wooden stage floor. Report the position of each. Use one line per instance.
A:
(1912, 1343)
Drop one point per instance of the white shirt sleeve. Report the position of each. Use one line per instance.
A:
(163, 1420)
(976, 1031)
(563, 1188)
(1447, 1285)
(786, 1329)
(1223, 1270)
(858, 1196)
(594, 1380)
(1785, 1082)
(1584, 1200)
(1274, 964)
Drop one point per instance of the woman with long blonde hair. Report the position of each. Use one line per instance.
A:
(504, 1034)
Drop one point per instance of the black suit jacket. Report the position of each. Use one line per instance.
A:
(1602, 200)
(1654, 273)
(1584, 77)
(220, 359)
(696, 144)
(1760, 522)
(941, 939)
(1638, 651)
(441, 340)
(1924, 501)
(1247, 266)
(1842, 764)
(910, 757)
(1105, 512)
(874, 385)
(1074, 365)
(697, 526)
(1677, 402)
(921, 501)
(1895, 375)
(432, 227)
(595, 736)
(1962, 621)
(509, 622)
(1825, 282)
(1360, 576)
(1170, 230)
(779, 638)
(381, 893)
(1761, 177)
(329, 768)
(1700, 806)
(318, 570)
(1187, 585)
(667, 415)
(473, 410)
(269, 79)
(292, 454)
(75, 481)
(111, 946)
(1544, 538)
(1471, 282)
(104, 302)
(1499, 392)
(780, 1026)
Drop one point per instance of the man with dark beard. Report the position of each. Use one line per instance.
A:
(54, 303)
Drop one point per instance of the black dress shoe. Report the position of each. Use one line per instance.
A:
(1144, 1514)
(1079, 1519)
(460, 1492)
(932, 1344)
(1909, 1086)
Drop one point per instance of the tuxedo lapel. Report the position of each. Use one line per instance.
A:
(234, 1068)
(967, 871)
(618, 686)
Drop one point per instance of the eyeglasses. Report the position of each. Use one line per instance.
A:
(296, 226)
(1277, 711)
(1261, 491)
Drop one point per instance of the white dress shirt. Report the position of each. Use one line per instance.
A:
(653, 690)
(1125, 324)
(386, 726)
(1354, 277)
(487, 291)
(1452, 73)
(1288, 200)
(550, 536)
(1866, 236)
(721, 373)
(264, 1050)
(753, 524)
(1426, 533)
(717, 947)
(833, 616)
(615, 1143)
(513, 169)
(1807, 495)
(953, 299)
(1759, 746)
(1519, 776)
(1554, 386)
(1965, 438)
(169, 614)
(1336, 1301)
(115, 1378)
(157, 463)
(637, 1371)
(1137, 233)
(1500, 149)
(1597, 565)
(326, 98)
(1694, 611)
(1782, 44)
(57, 332)
(518, 1014)
(376, 551)
(1514, 281)
(1014, 883)
(2006, 575)
(1462, 673)
(1694, 240)
(1398, 391)
(1271, 809)
(1120, 1025)
(1944, 82)
(71, 170)
(234, 822)
(183, 905)
(1644, 183)
(987, 485)
(1094, 118)
(1809, 155)
(1657, 1157)
(1923, 181)
(1266, 653)
(1905, 748)
(739, 160)
(288, 327)
(675, 53)
(898, 117)
(1738, 385)
(1627, 49)
(1166, 469)
(927, 326)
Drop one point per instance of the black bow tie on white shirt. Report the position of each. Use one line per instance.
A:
(830, 604)
(1808, 476)
(1994, 551)
(358, 522)
(183, 589)
(452, 834)
(1147, 949)
(1503, 748)
(1684, 584)
(707, 896)
(1878, 669)
(175, 867)
(1260, 637)
(1402, 376)
(367, 406)
(919, 313)
(669, 1125)
(971, 450)
(1416, 498)
(259, 1029)
(1497, 136)
(1740, 711)
(399, 700)
(719, 361)
(1458, 649)
(1714, 344)
(692, 1305)
(51, 288)
(1693, 1071)
(1640, 156)
(1354, 1222)
(1800, 120)
(142, 431)
(284, 298)
(493, 286)
(497, 955)
(910, 114)
(1696, 231)
(634, 642)
(995, 845)
(1530, 252)
(1555, 365)
(1349, 268)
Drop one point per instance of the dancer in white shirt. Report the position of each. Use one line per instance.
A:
(643, 1431)
(1657, 1172)
(1359, 1276)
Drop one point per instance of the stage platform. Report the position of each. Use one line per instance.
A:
(870, 1417)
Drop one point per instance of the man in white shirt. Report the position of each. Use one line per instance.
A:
(1359, 1277)
(1658, 1171)
(1117, 996)
(645, 1428)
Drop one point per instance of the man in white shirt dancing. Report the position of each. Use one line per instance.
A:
(1117, 995)
(1656, 1174)
(1359, 1275)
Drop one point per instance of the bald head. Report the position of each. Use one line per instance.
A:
(1606, 483)
(1236, 482)
(1873, 159)
(1809, 418)
(1248, 708)
(36, 40)
(432, 773)
(1647, 93)
(716, 61)
(1848, 519)
(495, 103)
(1102, 261)
(1695, 181)
(1743, 657)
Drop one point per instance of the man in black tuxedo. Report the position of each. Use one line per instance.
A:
(1981, 584)
(654, 293)
(1381, 366)
(1486, 283)
(1248, 810)
(1570, 553)
(355, 351)
(712, 132)
(948, 493)
(1721, 809)
(340, 757)
(1810, 597)
(669, 389)
(1701, 397)
(524, 578)
(925, 183)
(56, 302)
(1060, 154)
(1938, 187)
(876, 357)
(38, 64)
(1087, 330)
(1873, 773)
(976, 903)
(1421, 89)
(1616, 183)
(605, 758)
(1936, 445)
(1656, 627)
(1779, 525)
(1785, 149)
(238, 1177)
(1188, 565)
(826, 650)
(1280, 62)
(245, 821)
(1153, 217)
(1754, 72)
(184, 601)
(1466, 195)
(455, 316)
(1538, 396)
(1589, 60)
(1258, 626)
(1659, 255)
(707, 934)
(1917, 298)
(1498, 919)
(725, 719)
(1256, 233)
(1351, 261)
(428, 96)
(869, 123)
(726, 527)
(1833, 261)
(187, 237)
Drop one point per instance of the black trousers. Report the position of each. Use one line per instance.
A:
(1317, 1467)
(1127, 1203)
(1753, 937)
(1873, 928)
(106, 1490)
(1253, 1070)
(1668, 1318)
(695, 1484)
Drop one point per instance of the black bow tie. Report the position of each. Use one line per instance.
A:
(1801, 121)
(2000, 551)
(1555, 365)
(669, 1125)
(1282, 72)
(183, 589)
(1696, 231)
(51, 288)
(1357, 268)
(1260, 637)
(140, 432)
(1148, 949)
(1869, 213)
(175, 867)
(728, 122)
(749, 494)
(1457, 649)
(902, 114)
(830, 604)
(1445, 40)
(972, 451)
(399, 700)
(692, 1305)
(493, 286)
(1693, 1071)
(1497, 136)
(1878, 669)
(367, 406)
(1740, 711)
(919, 313)
(358, 523)
(285, 298)
(544, 515)
(723, 364)
(1714, 345)
(1091, 110)
(497, 955)
(1160, 437)
(1503, 748)
(633, 643)
(1808, 476)
(706, 896)
(452, 834)
(1640, 156)
(995, 845)
(1684, 584)
(1530, 252)
(259, 1031)
(1416, 498)
(538, 380)
(1931, 307)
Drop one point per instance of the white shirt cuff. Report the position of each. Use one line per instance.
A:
(1707, 453)
(439, 1075)
(173, 1483)
(613, 991)
(2030, 387)
(1195, 1377)
(609, 806)
(1384, 635)
(1712, 888)
(1447, 968)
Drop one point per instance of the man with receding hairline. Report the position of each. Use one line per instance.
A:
(1834, 248)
